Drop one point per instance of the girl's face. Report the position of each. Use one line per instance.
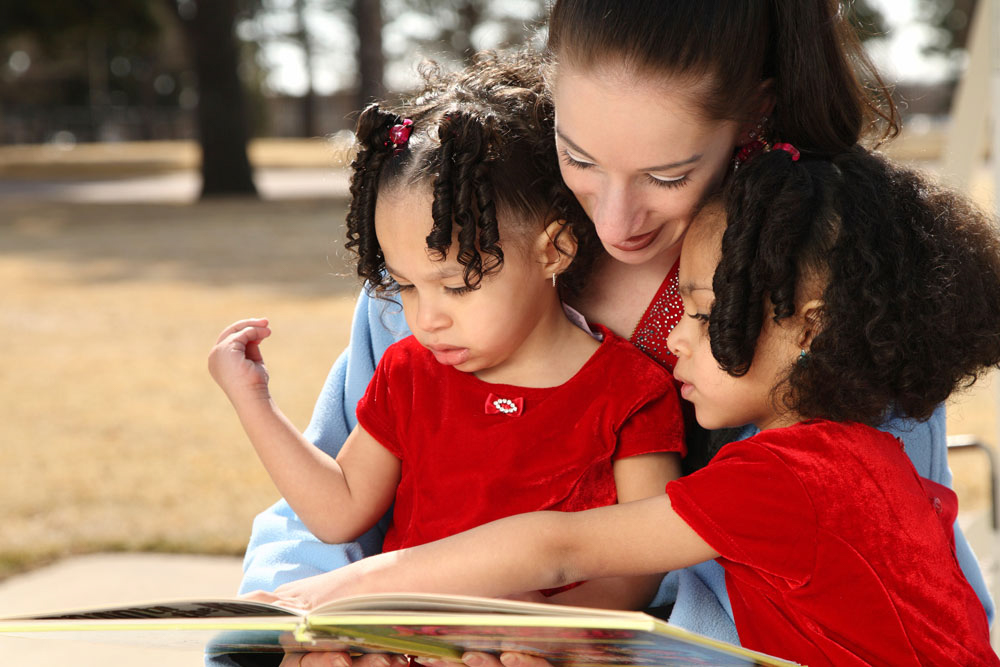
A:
(491, 327)
(721, 400)
(638, 155)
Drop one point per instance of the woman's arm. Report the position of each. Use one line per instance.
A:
(636, 478)
(518, 553)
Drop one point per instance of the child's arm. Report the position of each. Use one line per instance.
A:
(636, 478)
(518, 553)
(337, 499)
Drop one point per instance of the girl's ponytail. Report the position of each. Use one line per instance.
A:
(464, 195)
(777, 217)
(373, 148)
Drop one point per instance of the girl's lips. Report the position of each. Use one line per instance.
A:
(449, 356)
(637, 242)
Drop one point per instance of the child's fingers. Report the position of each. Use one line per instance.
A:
(247, 337)
(260, 596)
(241, 324)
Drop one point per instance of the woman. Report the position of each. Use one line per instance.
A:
(653, 99)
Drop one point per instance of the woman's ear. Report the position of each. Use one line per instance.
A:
(756, 125)
(811, 318)
(556, 247)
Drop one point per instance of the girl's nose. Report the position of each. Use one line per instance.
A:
(616, 214)
(676, 341)
(431, 315)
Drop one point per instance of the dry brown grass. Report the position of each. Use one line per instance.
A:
(114, 436)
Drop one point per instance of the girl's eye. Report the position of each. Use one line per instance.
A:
(459, 291)
(573, 162)
(664, 182)
(395, 288)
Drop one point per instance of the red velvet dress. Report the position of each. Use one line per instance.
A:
(836, 552)
(472, 452)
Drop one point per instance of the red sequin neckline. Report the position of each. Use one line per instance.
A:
(660, 318)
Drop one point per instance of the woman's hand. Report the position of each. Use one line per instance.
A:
(329, 659)
(235, 361)
(321, 659)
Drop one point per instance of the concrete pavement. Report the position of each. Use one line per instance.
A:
(103, 580)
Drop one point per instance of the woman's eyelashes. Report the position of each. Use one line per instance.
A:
(658, 181)
(667, 182)
(574, 162)
(701, 317)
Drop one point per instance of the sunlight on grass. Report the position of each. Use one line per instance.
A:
(116, 438)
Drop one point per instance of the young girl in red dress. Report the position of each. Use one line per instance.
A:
(501, 402)
(820, 293)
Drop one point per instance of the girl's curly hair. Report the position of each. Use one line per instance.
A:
(910, 274)
(483, 141)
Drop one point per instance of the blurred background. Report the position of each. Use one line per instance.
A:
(169, 166)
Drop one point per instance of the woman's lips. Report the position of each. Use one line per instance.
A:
(449, 356)
(637, 242)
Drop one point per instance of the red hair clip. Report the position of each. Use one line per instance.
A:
(748, 151)
(399, 135)
(788, 148)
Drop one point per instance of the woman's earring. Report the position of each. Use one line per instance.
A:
(758, 143)
(803, 356)
(553, 279)
(759, 131)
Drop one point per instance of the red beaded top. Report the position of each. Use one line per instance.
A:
(660, 318)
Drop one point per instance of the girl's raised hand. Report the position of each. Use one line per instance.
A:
(235, 361)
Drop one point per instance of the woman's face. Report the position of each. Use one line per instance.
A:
(638, 154)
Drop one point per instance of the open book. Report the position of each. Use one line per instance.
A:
(441, 626)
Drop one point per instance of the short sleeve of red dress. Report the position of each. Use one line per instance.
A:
(386, 401)
(657, 425)
(748, 505)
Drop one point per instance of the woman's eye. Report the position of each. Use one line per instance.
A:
(667, 182)
(573, 162)
(701, 317)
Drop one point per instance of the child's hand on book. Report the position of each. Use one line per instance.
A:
(309, 593)
(235, 361)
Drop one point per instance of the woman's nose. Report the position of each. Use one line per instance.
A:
(616, 214)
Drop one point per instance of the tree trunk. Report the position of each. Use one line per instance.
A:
(307, 109)
(223, 125)
(371, 60)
